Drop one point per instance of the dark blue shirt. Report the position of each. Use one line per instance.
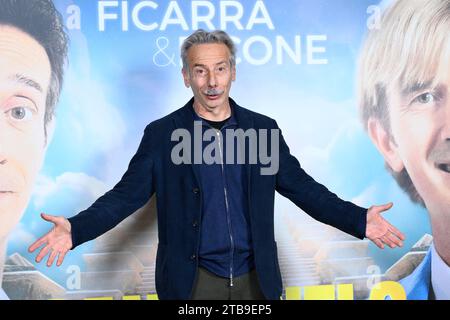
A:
(225, 239)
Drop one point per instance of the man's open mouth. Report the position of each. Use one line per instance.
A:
(213, 95)
(443, 167)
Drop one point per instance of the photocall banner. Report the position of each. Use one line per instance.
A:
(297, 62)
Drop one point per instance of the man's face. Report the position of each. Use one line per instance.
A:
(420, 142)
(24, 81)
(210, 75)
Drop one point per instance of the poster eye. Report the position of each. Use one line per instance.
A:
(425, 98)
(20, 113)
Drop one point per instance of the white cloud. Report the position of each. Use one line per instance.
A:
(306, 120)
(77, 183)
(96, 124)
(317, 158)
(20, 234)
(368, 195)
(383, 190)
(93, 122)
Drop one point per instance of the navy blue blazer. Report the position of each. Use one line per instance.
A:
(179, 204)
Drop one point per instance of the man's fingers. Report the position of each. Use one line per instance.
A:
(396, 232)
(384, 207)
(38, 243)
(61, 256)
(391, 240)
(388, 241)
(43, 253)
(379, 243)
(395, 240)
(49, 218)
(52, 258)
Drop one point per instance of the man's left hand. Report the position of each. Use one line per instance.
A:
(381, 232)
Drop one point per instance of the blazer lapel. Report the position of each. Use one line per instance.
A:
(184, 119)
(245, 122)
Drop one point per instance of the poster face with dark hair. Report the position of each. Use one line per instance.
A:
(297, 62)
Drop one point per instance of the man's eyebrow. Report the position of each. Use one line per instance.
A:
(22, 79)
(415, 87)
(203, 65)
(199, 65)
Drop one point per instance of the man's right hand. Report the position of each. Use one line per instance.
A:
(58, 241)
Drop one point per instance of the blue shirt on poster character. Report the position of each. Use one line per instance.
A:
(430, 280)
(3, 295)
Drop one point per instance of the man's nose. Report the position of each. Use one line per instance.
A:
(212, 79)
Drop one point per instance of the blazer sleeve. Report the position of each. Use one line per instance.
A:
(129, 194)
(315, 199)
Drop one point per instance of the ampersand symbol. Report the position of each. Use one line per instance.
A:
(163, 43)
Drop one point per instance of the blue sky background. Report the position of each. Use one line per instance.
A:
(113, 90)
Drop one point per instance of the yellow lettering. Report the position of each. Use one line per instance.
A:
(131, 298)
(345, 292)
(385, 289)
(152, 297)
(293, 293)
(319, 292)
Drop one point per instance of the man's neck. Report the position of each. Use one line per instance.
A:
(441, 239)
(217, 114)
(440, 276)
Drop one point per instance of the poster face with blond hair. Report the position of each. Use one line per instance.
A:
(360, 89)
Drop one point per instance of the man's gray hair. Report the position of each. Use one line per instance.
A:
(204, 37)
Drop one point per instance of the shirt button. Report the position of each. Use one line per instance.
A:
(195, 224)
(193, 257)
(196, 190)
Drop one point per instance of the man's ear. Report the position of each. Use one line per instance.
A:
(49, 131)
(385, 144)
(233, 73)
(186, 78)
